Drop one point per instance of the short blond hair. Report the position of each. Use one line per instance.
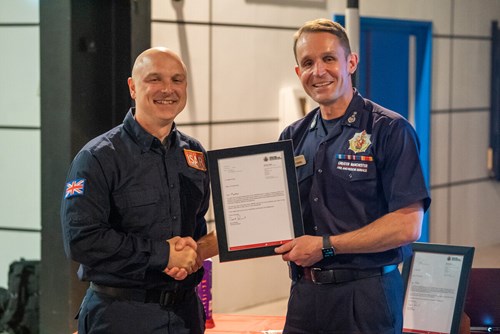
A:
(323, 25)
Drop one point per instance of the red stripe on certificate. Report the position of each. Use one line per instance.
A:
(408, 330)
(263, 244)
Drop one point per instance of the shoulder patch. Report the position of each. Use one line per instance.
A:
(75, 188)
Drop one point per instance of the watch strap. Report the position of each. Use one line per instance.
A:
(327, 250)
(326, 241)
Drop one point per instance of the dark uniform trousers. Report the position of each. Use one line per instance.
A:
(369, 306)
(104, 314)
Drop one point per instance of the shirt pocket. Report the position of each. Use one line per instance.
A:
(136, 198)
(194, 178)
(137, 211)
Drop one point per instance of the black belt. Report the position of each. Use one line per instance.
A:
(336, 276)
(166, 298)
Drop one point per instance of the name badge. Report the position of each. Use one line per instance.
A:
(300, 160)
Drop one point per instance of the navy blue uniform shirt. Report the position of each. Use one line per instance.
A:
(356, 171)
(126, 194)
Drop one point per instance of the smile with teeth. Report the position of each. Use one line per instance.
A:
(165, 101)
(322, 84)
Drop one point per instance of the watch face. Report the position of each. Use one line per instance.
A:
(328, 252)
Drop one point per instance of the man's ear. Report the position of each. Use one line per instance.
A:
(131, 87)
(297, 70)
(353, 61)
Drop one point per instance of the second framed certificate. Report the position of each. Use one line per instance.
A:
(436, 279)
(255, 198)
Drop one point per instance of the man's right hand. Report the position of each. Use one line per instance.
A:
(184, 258)
(206, 247)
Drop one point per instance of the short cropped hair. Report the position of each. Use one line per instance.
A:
(323, 25)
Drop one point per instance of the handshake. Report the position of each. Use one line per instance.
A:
(187, 256)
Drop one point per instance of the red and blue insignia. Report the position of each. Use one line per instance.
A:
(75, 188)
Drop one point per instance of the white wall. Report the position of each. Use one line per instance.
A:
(465, 210)
(20, 212)
(239, 57)
(239, 54)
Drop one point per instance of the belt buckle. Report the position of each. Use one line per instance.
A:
(167, 298)
(313, 275)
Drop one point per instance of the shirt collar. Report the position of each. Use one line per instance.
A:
(143, 138)
(352, 116)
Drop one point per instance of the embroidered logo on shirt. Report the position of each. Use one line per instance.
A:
(359, 142)
(352, 166)
(353, 163)
(195, 159)
(75, 188)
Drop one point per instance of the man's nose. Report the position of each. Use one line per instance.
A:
(319, 68)
(167, 88)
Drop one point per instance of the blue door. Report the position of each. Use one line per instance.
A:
(395, 71)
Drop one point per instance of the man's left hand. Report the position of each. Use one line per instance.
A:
(304, 250)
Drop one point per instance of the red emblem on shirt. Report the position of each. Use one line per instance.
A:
(195, 159)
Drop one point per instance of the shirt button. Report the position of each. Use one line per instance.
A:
(172, 185)
(320, 171)
(315, 199)
(350, 175)
(174, 217)
(315, 228)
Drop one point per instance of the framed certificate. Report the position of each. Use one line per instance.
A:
(255, 199)
(436, 279)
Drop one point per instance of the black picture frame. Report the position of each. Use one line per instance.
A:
(443, 256)
(264, 248)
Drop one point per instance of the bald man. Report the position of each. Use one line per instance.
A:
(132, 194)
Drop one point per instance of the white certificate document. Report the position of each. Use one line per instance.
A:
(431, 293)
(255, 197)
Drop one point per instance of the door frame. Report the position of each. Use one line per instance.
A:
(421, 32)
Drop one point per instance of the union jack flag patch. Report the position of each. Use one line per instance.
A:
(75, 188)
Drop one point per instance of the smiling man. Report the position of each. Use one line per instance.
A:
(158, 86)
(132, 195)
(363, 197)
